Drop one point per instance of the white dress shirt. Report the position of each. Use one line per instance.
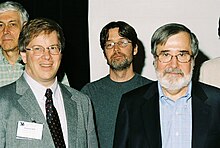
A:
(39, 92)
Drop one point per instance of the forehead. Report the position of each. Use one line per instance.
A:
(113, 33)
(45, 39)
(9, 16)
(178, 42)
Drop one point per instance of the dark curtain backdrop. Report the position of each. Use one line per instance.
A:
(72, 15)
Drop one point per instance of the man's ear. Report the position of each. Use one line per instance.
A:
(135, 50)
(24, 57)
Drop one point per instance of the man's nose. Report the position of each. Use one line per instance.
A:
(174, 61)
(6, 29)
(116, 47)
(46, 54)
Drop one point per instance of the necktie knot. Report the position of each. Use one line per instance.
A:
(48, 93)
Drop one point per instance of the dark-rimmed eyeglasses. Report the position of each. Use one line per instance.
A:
(39, 50)
(121, 43)
(182, 57)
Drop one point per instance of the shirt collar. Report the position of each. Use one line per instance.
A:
(38, 89)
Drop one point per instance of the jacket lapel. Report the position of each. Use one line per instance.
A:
(31, 109)
(151, 117)
(200, 115)
(71, 115)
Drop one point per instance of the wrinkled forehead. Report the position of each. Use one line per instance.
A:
(8, 16)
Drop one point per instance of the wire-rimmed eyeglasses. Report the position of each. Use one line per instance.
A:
(39, 50)
(122, 43)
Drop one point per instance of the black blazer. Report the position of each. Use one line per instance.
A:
(138, 120)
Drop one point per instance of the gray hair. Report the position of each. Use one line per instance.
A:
(14, 6)
(162, 34)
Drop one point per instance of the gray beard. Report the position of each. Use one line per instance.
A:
(120, 66)
(172, 83)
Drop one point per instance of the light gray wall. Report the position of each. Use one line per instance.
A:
(201, 16)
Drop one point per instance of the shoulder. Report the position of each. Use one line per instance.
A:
(9, 89)
(208, 89)
(142, 78)
(8, 96)
(137, 97)
(144, 91)
(208, 92)
(96, 84)
(209, 72)
(210, 63)
(75, 95)
(204, 86)
(76, 98)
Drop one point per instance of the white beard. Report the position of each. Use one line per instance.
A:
(172, 83)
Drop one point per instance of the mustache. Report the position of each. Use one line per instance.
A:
(118, 54)
(173, 70)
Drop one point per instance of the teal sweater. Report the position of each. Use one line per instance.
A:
(105, 95)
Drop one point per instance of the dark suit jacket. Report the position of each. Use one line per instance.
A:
(138, 121)
(18, 103)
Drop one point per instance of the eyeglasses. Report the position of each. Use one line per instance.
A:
(39, 50)
(121, 43)
(183, 57)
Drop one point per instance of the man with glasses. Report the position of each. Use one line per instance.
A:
(173, 112)
(36, 110)
(12, 18)
(119, 43)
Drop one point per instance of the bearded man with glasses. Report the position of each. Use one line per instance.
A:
(173, 112)
(118, 41)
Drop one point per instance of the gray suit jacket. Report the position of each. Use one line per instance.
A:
(18, 103)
